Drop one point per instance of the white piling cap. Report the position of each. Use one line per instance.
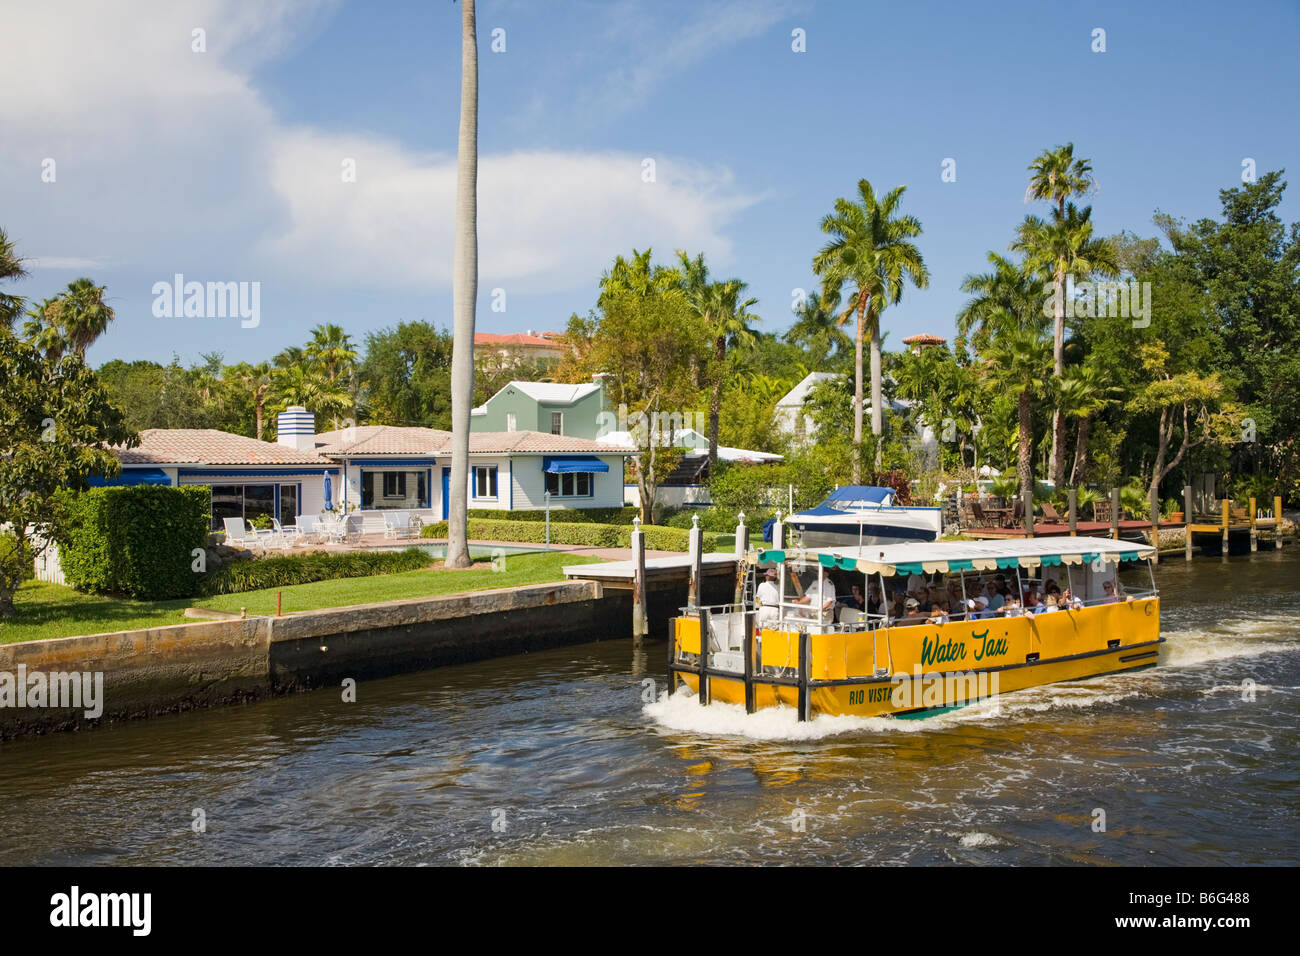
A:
(695, 521)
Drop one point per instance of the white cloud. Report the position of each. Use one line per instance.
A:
(172, 161)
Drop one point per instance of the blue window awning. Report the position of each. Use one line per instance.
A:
(132, 476)
(563, 466)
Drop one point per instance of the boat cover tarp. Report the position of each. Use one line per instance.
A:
(870, 493)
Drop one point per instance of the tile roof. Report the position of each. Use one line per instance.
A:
(395, 440)
(208, 446)
(484, 443)
(543, 340)
(383, 440)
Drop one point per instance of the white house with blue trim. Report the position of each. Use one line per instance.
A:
(373, 468)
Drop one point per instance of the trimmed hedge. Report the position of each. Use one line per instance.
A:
(657, 538)
(135, 540)
(285, 570)
(622, 515)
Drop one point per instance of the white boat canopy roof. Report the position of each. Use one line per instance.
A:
(927, 557)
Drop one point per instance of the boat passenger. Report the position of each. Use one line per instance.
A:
(980, 608)
(1011, 607)
(820, 598)
(915, 583)
(768, 597)
(911, 612)
(995, 597)
(854, 599)
(875, 602)
(954, 593)
(937, 615)
(1049, 605)
(1070, 602)
(1111, 597)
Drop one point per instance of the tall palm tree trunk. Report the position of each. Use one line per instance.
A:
(1081, 450)
(464, 292)
(877, 396)
(715, 402)
(1025, 464)
(857, 396)
(1058, 369)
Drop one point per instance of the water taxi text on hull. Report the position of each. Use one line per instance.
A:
(999, 616)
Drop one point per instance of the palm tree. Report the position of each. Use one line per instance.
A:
(84, 315)
(1011, 291)
(333, 349)
(817, 330)
(1084, 393)
(728, 320)
(1063, 246)
(11, 267)
(464, 292)
(257, 379)
(308, 387)
(1019, 363)
(870, 250)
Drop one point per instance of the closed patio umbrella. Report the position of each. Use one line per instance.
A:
(329, 504)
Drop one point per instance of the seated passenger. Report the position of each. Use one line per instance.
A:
(1048, 606)
(979, 606)
(1070, 602)
(912, 612)
(875, 602)
(854, 599)
(937, 615)
(1111, 597)
(1011, 607)
(995, 598)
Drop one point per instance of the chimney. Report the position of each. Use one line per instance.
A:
(296, 427)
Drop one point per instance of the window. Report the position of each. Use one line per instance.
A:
(394, 484)
(510, 421)
(485, 482)
(251, 501)
(574, 484)
(557, 423)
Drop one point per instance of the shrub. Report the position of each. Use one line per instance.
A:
(711, 519)
(282, 571)
(134, 540)
(9, 559)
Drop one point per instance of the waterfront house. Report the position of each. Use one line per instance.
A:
(373, 468)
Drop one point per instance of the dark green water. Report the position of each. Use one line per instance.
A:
(560, 751)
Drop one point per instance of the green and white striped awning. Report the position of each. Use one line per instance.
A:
(953, 556)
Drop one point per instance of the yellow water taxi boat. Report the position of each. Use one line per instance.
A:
(791, 641)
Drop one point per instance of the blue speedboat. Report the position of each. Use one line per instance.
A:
(861, 514)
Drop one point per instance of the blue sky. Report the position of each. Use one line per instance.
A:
(224, 165)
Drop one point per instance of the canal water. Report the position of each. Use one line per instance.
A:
(556, 758)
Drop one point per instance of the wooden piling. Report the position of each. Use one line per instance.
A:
(1187, 522)
(1114, 513)
(696, 549)
(640, 622)
(742, 547)
(1226, 519)
(1277, 522)
(1254, 531)
(1074, 512)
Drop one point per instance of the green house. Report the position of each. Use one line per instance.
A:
(547, 407)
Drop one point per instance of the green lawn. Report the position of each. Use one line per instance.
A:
(51, 610)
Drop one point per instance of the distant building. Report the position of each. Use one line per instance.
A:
(519, 347)
(549, 407)
(915, 343)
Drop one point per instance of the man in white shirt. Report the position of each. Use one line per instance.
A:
(820, 598)
(768, 597)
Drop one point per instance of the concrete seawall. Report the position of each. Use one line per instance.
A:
(168, 669)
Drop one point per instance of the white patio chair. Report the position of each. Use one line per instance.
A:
(306, 525)
(397, 525)
(374, 524)
(236, 532)
(287, 536)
